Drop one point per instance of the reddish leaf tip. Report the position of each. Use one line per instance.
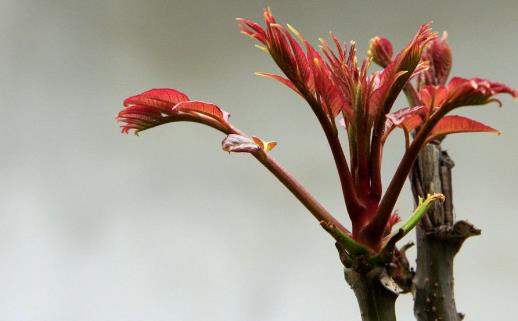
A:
(459, 124)
(159, 106)
(380, 51)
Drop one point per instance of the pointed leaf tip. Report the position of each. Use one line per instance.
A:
(420, 211)
(262, 48)
(410, 223)
(280, 79)
(204, 108)
(459, 124)
(264, 145)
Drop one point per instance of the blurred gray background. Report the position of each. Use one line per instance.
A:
(95, 225)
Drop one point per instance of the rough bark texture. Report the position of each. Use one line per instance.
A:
(374, 289)
(376, 301)
(439, 238)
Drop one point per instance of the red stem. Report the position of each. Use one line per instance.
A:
(352, 202)
(376, 153)
(318, 211)
(375, 229)
(377, 133)
(297, 189)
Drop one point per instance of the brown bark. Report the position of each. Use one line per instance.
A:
(439, 238)
(375, 291)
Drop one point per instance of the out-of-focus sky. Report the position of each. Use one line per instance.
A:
(95, 225)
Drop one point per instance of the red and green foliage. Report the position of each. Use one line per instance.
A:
(340, 90)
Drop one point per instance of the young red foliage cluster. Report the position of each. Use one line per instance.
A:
(335, 85)
(159, 106)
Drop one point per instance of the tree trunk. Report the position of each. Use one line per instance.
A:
(439, 238)
(374, 289)
(376, 301)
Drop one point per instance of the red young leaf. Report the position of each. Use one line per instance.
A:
(306, 72)
(476, 91)
(140, 117)
(159, 106)
(399, 116)
(393, 220)
(280, 79)
(396, 74)
(380, 50)
(458, 124)
(406, 118)
(163, 98)
(433, 96)
(438, 54)
(234, 143)
(300, 58)
(253, 30)
(283, 48)
(412, 122)
(421, 68)
(464, 92)
(207, 109)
